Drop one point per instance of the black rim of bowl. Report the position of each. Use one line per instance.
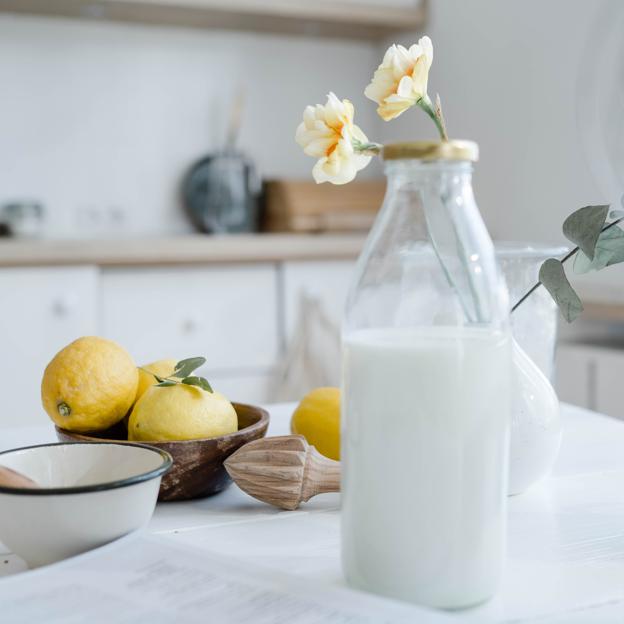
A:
(167, 463)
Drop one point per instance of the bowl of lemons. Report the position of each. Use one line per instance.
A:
(94, 392)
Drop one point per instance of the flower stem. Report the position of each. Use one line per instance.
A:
(440, 116)
(426, 104)
(563, 260)
(369, 149)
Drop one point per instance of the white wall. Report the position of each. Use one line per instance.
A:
(510, 77)
(99, 115)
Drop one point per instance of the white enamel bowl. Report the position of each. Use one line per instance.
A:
(89, 494)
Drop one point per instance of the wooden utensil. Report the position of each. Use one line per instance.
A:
(14, 479)
(283, 471)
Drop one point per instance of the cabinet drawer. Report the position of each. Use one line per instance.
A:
(42, 310)
(227, 314)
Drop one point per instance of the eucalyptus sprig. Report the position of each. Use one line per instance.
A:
(182, 375)
(598, 245)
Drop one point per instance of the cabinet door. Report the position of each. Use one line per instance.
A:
(326, 281)
(243, 388)
(227, 314)
(42, 310)
(609, 374)
(574, 375)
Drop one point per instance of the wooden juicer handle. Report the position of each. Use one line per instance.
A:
(283, 471)
(14, 479)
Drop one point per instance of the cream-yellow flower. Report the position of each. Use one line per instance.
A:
(400, 82)
(329, 134)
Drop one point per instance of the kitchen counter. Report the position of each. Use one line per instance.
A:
(190, 249)
(564, 561)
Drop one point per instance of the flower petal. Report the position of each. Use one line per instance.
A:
(327, 133)
(401, 79)
(404, 88)
(393, 106)
(357, 134)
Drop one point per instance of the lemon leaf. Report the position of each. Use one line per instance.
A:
(185, 367)
(198, 381)
(164, 383)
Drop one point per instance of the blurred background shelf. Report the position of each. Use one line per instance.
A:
(180, 250)
(351, 19)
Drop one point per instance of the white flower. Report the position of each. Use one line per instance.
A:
(401, 80)
(327, 133)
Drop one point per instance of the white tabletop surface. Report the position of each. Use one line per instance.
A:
(566, 535)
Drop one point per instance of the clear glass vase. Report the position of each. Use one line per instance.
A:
(426, 390)
(535, 418)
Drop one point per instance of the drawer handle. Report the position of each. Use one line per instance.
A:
(62, 307)
(190, 325)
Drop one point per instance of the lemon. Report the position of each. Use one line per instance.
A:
(181, 412)
(317, 419)
(162, 368)
(89, 385)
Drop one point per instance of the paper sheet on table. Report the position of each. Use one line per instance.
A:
(144, 579)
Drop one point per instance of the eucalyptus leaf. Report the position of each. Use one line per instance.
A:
(165, 383)
(185, 367)
(553, 278)
(198, 381)
(609, 250)
(583, 227)
(616, 214)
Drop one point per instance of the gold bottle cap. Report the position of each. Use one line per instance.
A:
(432, 150)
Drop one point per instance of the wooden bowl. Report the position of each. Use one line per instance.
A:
(198, 469)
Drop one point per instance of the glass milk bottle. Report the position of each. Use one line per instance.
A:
(426, 390)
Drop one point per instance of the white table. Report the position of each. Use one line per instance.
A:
(566, 535)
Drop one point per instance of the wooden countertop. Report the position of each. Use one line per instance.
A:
(189, 249)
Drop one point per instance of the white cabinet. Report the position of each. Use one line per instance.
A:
(243, 388)
(314, 296)
(41, 310)
(591, 376)
(227, 314)
(326, 281)
(608, 378)
(574, 374)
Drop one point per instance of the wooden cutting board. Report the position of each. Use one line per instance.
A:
(304, 206)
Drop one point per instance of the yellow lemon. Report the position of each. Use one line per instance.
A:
(317, 419)
(162, 368)
(180, 412)
(89, 385)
